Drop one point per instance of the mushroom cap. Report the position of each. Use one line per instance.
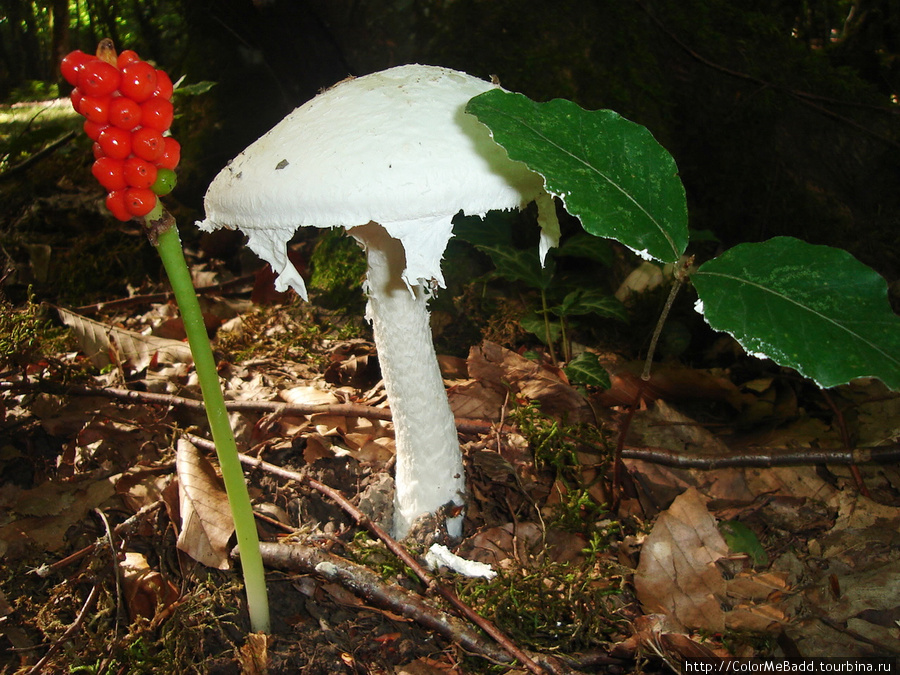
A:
(395, 147)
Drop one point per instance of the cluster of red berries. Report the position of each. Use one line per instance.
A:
(126, 105)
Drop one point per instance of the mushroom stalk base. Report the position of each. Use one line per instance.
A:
(429, 468)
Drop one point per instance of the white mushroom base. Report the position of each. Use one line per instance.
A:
(429, 468)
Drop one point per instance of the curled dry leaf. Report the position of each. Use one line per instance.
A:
(206, 523)
(146, 590)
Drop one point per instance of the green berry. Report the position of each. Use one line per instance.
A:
(165, 182)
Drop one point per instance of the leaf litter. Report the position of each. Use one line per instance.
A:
(581, 586)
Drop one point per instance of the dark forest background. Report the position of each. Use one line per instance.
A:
(781, 114)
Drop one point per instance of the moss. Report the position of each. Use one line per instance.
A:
(338, 270)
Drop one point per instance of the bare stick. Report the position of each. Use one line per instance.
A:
(366, 584)
(92, 596)
(394, 547)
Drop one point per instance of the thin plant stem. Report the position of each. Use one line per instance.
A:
(546, 312)
(168, 244)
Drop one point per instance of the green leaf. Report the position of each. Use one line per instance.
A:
(194, 89)
(534, 324)
(813, 308)
(741, 539)
(583, 245)
(591, 301)
(495, 229)
(586, 369)
(520, 265)
(609, 172)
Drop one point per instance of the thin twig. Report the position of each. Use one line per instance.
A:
(762, 456)
(124, 527)
(366, 584)
(463, 425)
(766, 457)
(92, 597)
(364, 521)
(165, 296)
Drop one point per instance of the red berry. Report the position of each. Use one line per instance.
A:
(95, 108)
(127, 57)
(76, 97)
(138, 173)
(72, 63)
(164, 86)
(124, 113)
(115, 203)
(157, 113)
(171, 154)
(138, 81)
(98, 78)
(147, 144)
(139, 201)
(93, 129)
(97, 151)
(110, 173)
(115, 142)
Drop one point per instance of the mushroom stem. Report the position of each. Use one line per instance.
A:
(429, 468)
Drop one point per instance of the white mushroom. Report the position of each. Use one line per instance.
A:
(391, 157)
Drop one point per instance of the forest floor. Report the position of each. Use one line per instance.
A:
(751, 513)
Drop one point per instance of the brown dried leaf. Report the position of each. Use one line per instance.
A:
(254, 654)
(97, 339)
(50, 509)
(146, 591)
(677, 574)
(504, 370)
(206, 523)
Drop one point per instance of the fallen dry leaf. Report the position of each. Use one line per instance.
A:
(677, 573)
(146, 591)
(254, 655)
(206, 523)
(96, 339)
(50, 509)
(504, 370)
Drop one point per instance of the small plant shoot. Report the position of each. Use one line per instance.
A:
(812, 308)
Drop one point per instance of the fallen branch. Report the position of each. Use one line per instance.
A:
(766, 457)
(466, 426)
(363, 582)
(761, 456)
(392, 545)
(40, 154)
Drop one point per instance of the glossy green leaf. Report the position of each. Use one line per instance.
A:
(586, 369)
(609, 172)
(812, 308)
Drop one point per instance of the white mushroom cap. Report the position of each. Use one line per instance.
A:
(395, 147)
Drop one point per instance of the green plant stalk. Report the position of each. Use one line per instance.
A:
(168, 244)
(546, 312)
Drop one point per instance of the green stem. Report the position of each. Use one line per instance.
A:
(546, 313)
(169, 246)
